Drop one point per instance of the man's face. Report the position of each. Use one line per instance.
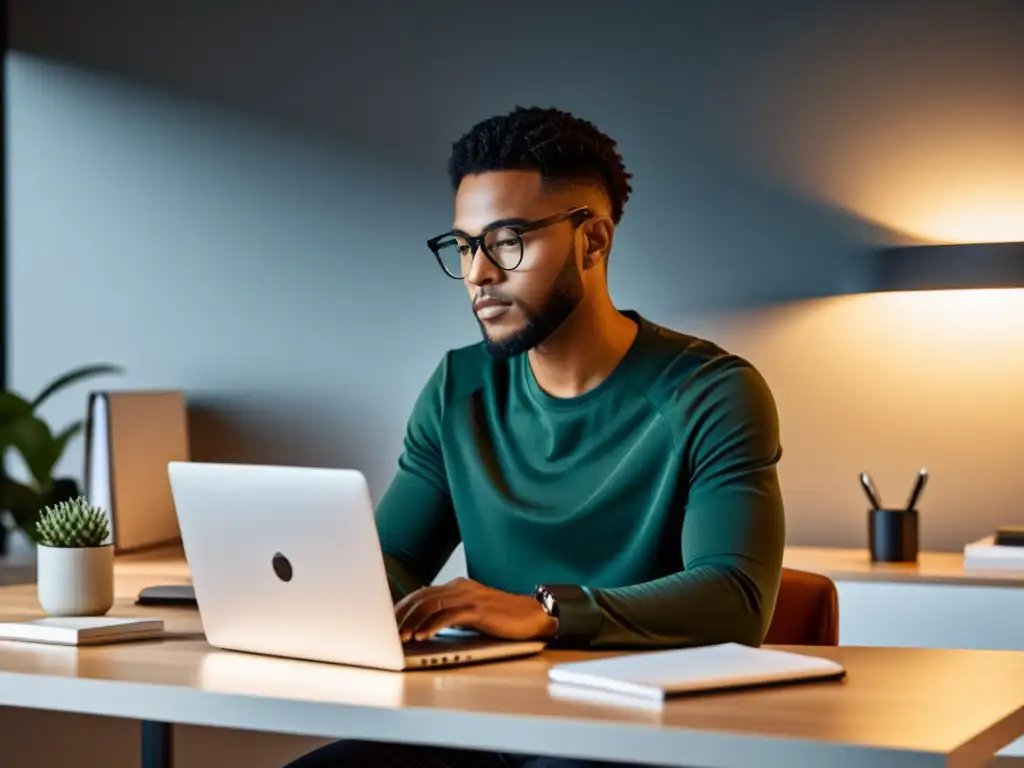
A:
(520, 308)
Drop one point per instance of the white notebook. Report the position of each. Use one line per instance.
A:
(81, 630)
(659, 674)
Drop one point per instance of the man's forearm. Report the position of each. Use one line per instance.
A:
(710, 603)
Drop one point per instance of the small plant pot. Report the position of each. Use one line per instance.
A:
(75, 581)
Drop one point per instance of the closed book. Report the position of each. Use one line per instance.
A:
(81, 630)
(660, 674)
(986, 554)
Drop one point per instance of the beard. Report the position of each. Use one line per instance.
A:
(563, 298)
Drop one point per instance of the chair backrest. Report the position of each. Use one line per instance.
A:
(806, 612)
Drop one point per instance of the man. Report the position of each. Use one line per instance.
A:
(613, 482)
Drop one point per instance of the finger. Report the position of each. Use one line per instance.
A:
(423, 611)
(408, 603)
(415, 614)
(466, 617)
(454, 589)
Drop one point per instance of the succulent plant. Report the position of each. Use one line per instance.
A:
(73, 523)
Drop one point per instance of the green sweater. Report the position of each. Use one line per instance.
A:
(656, 491)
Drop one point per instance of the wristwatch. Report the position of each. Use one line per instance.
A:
(543, 595)
(580, 620)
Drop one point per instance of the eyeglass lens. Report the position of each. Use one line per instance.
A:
(504, 246)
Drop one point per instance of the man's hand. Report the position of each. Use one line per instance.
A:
(470, 605)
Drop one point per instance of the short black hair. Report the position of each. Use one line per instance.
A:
(560, 146)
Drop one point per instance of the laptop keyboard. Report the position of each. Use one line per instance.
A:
(447, 644)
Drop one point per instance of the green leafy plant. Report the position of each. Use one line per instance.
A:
(73, 523)
(24, 431)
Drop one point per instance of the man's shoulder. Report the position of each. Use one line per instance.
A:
(715, 402)
(685, 368)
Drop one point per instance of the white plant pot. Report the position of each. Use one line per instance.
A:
(75, 581)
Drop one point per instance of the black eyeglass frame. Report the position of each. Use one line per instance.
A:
(576, 215)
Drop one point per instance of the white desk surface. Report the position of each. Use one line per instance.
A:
(899, 706)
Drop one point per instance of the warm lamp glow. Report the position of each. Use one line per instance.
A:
(909, 119)
(892, 382)
(939, 192)
(950, 195)
(966, 221)
(955, 331)
(984, 316)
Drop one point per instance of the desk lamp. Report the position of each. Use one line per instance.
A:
(950, 267)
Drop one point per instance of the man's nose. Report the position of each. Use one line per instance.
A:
(482, 271)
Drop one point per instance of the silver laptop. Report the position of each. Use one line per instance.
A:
(286, 561)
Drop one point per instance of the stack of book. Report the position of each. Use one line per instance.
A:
(1004, 550)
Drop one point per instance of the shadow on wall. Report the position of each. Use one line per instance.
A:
(264, 430)
(724, 239)
(702, 230)
(311, 431)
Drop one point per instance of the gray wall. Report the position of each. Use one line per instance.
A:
(236, 201)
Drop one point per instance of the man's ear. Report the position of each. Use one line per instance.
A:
(597, 241)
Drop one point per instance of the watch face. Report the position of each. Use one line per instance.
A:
(548, 601)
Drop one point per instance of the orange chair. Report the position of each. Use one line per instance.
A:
(806, 612)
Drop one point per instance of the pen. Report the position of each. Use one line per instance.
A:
(869, 489)
(922, 478)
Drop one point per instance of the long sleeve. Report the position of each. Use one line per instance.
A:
(415, 518)
(733, 531)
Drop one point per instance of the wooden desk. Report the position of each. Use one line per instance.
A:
(933, 603)
(930, 568)
(898, 707)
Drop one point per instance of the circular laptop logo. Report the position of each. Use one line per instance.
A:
(282, 567)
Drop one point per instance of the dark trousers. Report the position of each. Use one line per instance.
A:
(356, 754)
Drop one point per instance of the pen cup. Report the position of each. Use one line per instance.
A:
(893, 535)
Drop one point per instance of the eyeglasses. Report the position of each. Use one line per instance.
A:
(501, 242)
